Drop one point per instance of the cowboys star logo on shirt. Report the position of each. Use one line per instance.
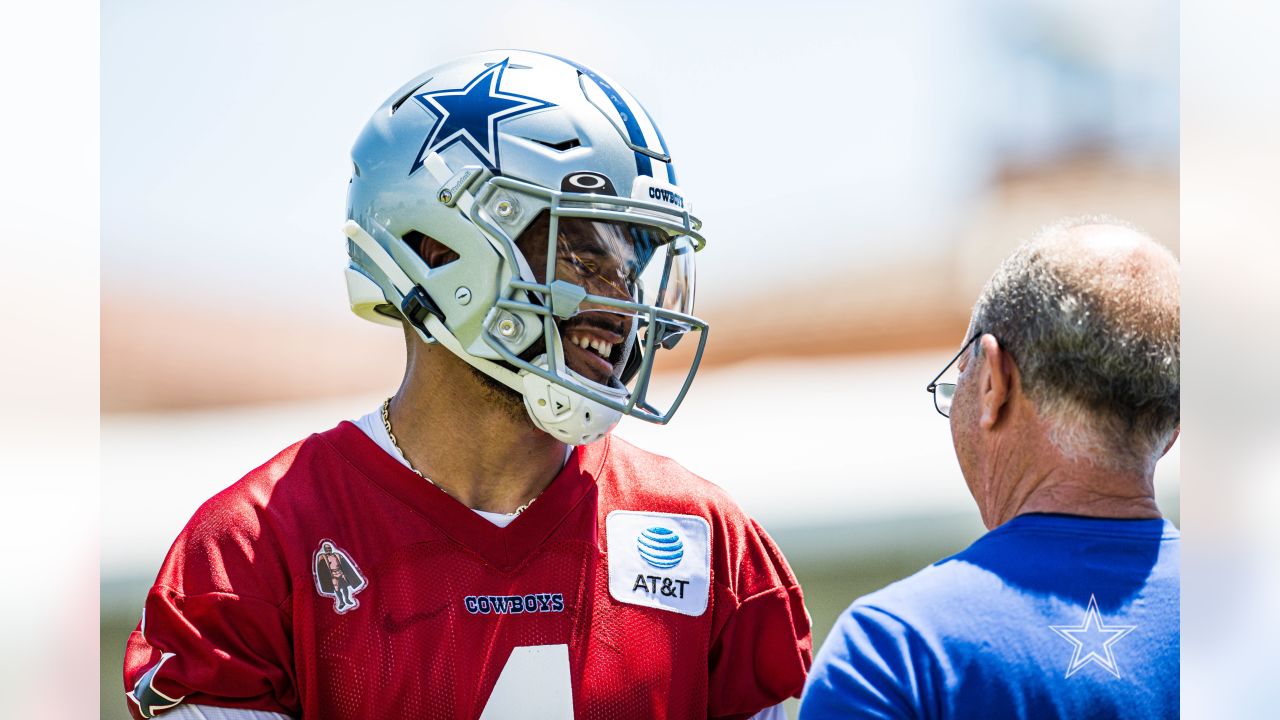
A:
(659, 560)
(1092, 640)
(470, 115)
(337, 577)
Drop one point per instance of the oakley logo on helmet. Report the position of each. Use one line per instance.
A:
(587, 182)
(470, 115)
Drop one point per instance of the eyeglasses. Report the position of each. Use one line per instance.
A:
(943, 392)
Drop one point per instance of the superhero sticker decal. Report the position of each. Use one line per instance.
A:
(337, 577)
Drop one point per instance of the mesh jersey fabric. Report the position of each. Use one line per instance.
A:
(333, 583)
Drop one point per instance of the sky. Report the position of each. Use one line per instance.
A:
(810, 139)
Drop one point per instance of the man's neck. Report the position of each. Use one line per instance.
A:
(1081, 499)
(1056, 484)
(470, 441)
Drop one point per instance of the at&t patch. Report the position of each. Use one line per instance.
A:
(659, 560)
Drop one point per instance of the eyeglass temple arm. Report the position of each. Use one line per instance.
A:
(933, 384)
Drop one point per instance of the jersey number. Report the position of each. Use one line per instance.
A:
(533, 684)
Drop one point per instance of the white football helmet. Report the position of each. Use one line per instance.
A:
(568, 260)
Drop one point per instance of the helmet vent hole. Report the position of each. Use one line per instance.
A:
(561, 146)
(433, 252)
(400, 100)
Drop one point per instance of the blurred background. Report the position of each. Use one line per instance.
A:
(861, 169)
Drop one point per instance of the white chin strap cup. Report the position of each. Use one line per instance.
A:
(567, 416)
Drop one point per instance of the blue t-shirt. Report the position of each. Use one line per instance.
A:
(1047, 616)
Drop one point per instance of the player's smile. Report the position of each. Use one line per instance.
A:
(592, 346)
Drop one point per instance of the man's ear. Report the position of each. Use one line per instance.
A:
(433, 252)
(1173, 439)
(997, 378)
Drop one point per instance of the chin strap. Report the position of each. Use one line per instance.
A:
(566, 416)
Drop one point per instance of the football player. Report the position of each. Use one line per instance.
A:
(479, 546)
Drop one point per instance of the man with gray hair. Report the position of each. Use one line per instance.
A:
(1066, 397)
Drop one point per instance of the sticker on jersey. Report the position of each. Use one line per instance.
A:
(338, 577)
(659, 560)
(587, 182)
(146, 697)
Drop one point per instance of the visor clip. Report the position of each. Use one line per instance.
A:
(453, 187)
(566, 298)
(417, 305)
(669, 333)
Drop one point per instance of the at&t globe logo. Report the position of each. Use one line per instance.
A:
(660, 547)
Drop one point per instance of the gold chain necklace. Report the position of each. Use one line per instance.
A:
(386, 423)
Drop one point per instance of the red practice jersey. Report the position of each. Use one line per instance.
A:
(334, 583)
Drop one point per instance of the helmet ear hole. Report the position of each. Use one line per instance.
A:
(433, 252)
(532, 241)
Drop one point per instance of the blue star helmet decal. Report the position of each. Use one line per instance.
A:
(470, 115)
